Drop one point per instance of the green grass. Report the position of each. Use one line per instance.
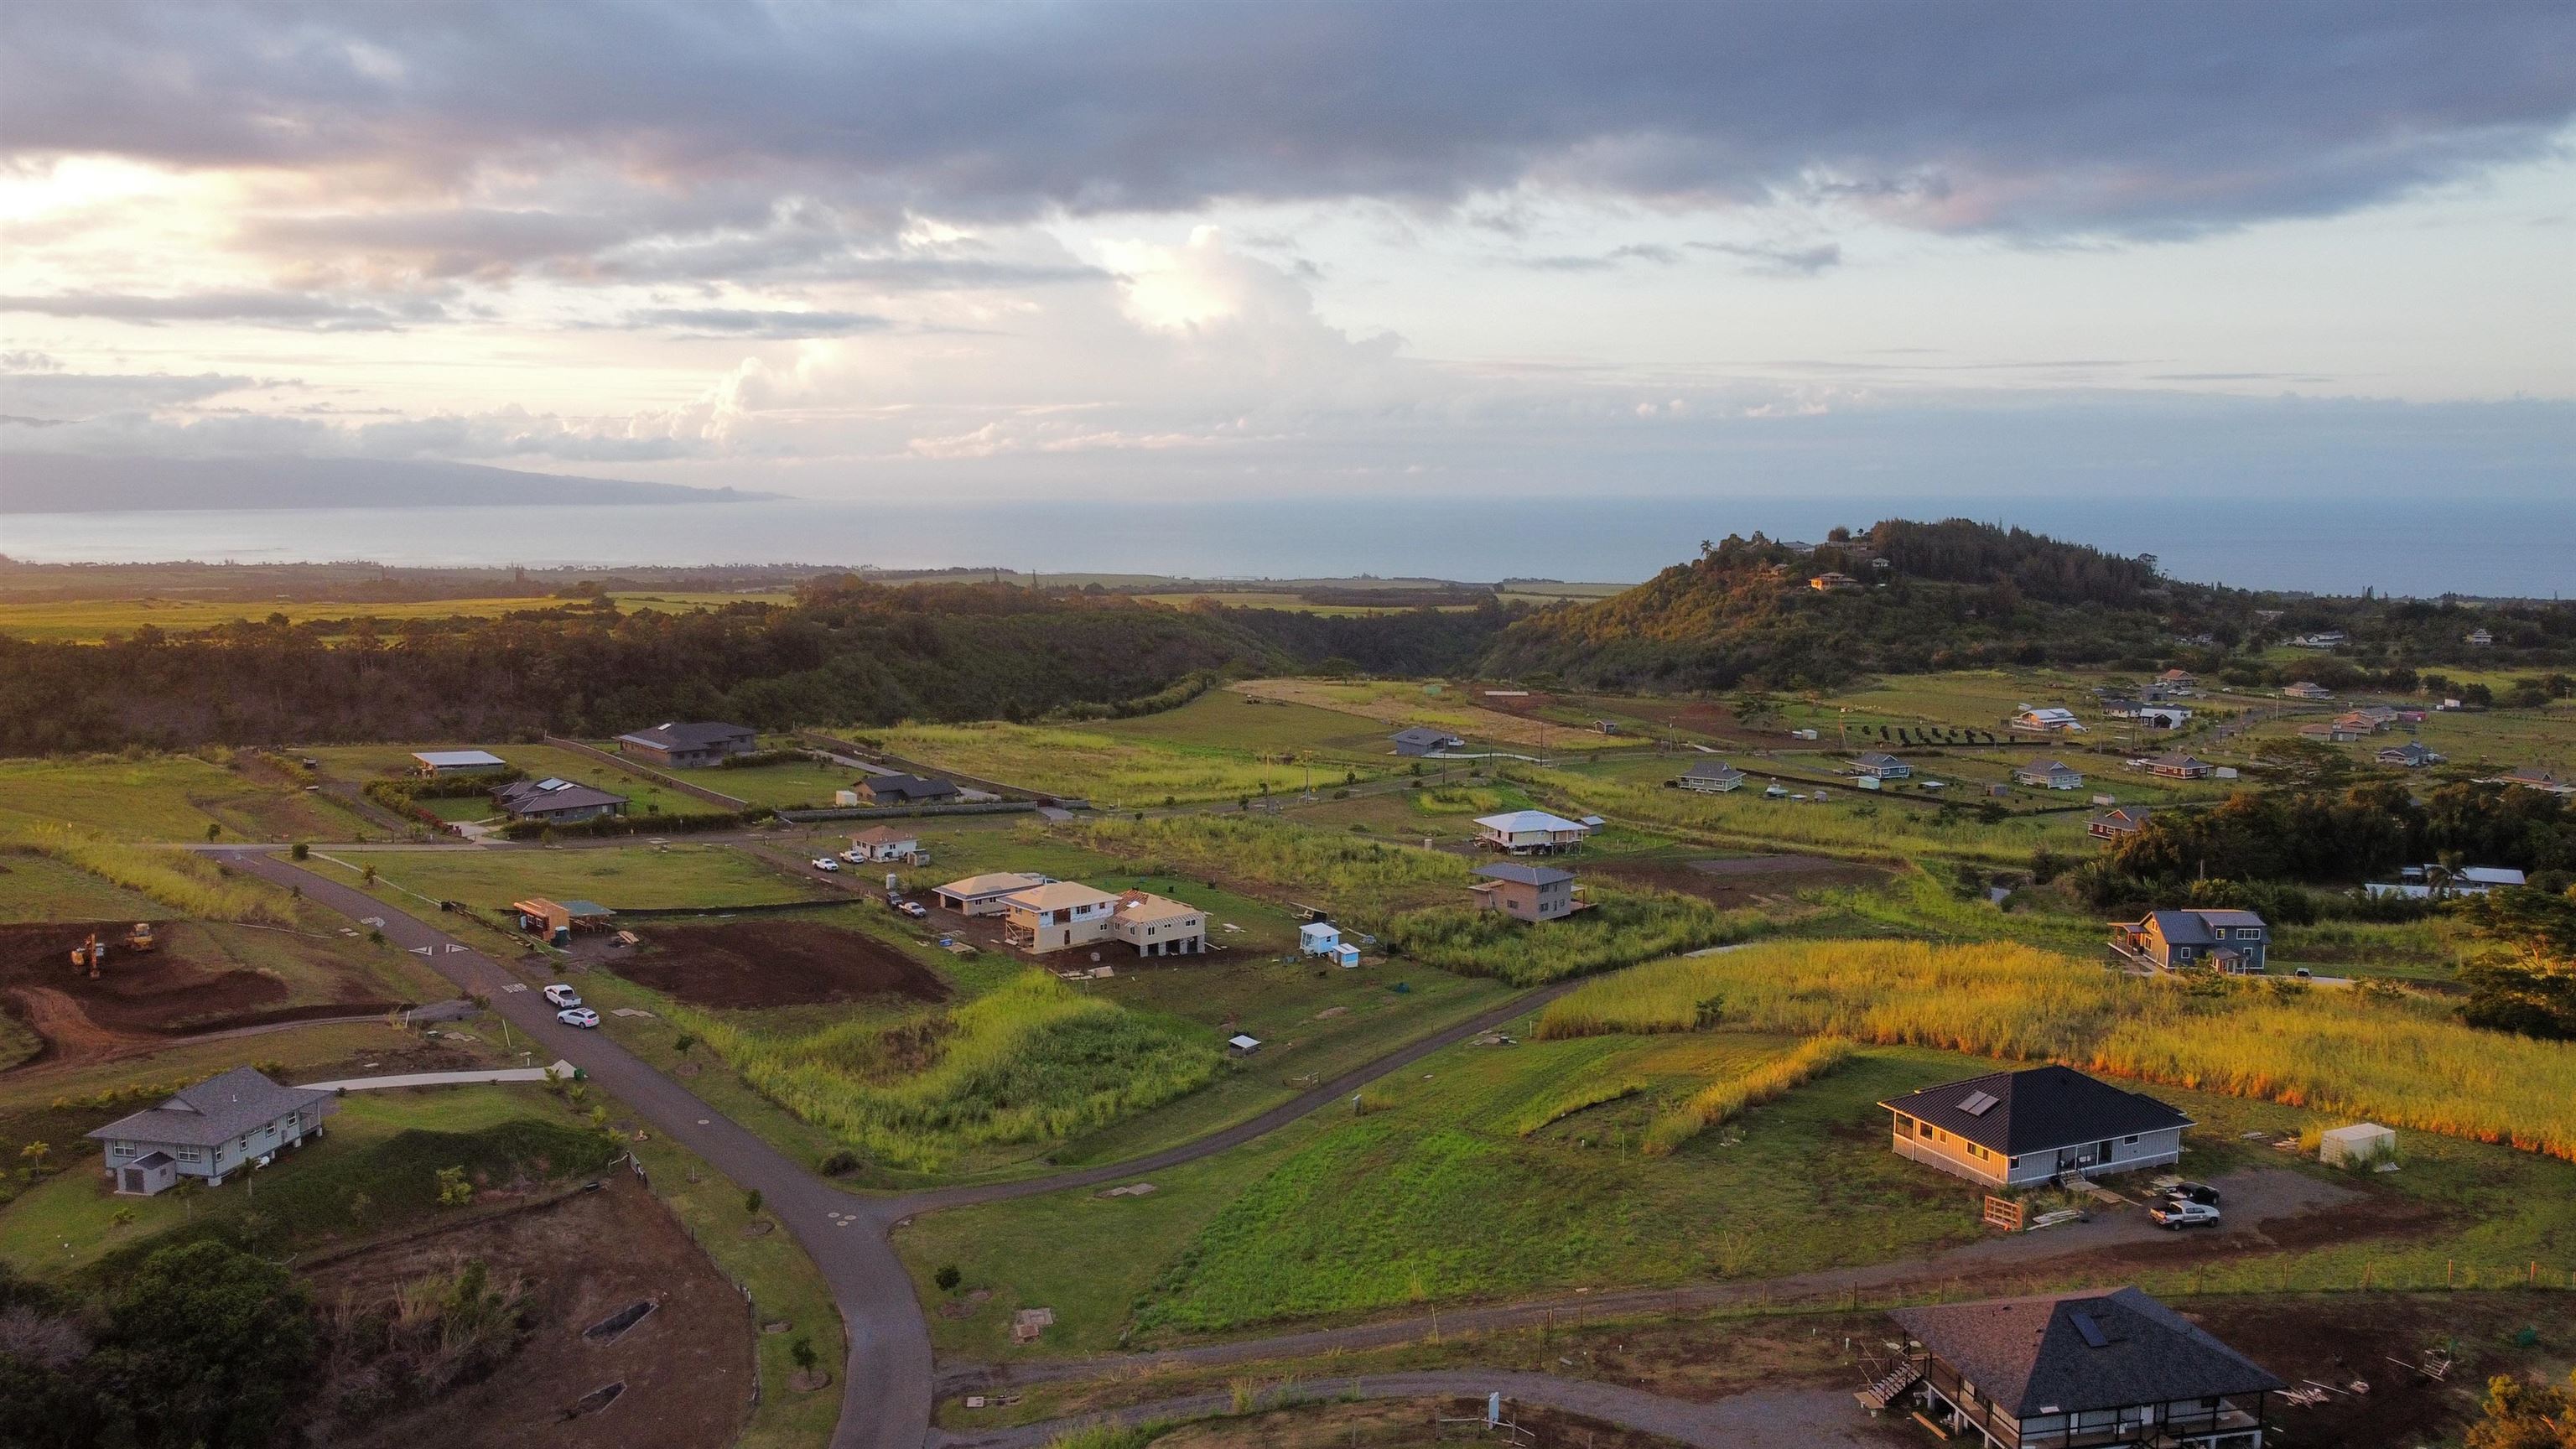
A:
(1127, 771)
(165, 797)
(782, 1281)
(36, 887)
(1622, 928)
(178, 880)
(644, 798)
(1223, 719)
(681, 874)
(387, 1145)
(1348, 871)
(1398, 703)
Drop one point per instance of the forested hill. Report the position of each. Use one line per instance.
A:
(1956, 594)
(845, 652)
(1925, 596)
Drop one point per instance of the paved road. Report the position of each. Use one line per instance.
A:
(1764, 1419)
(887, 1380)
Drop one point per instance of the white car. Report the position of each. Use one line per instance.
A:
(2181, 1213)
(855, 857)
(825, 862)
(913, 909)
(562, 995)
(578, 1016)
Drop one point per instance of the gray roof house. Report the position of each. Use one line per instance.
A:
(2020, 1129)
(904, 790)
(1422, 740)
(2082, 1368)
(556, 800)
(2228, 941)
(1525, 892)
(2410, 755)
(1881, 765)
(210, 1131)
(2049, 775)
(1711, 777)
(689, 743)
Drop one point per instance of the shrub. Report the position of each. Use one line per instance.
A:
(1761, 1083)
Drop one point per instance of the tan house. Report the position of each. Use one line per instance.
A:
(2306, 690)
(2180, 767)
(1832, 582)
(1160, 926)
(2024, 1128)
(1059, 914)
(1526, 892)
(984, 895)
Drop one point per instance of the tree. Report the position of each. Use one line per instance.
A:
(683, 1042)
(300, 851)
(802, 1350)
(367, 876)
(2303, 764)
(948, 1277)
(213, 831)
(2525, 1416)
(205, 1345)
(2527, 984)
(751, 1202)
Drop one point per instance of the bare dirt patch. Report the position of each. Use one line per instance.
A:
(776, 963)
(2383, 1340)
(685, 1368)
(140, 1000)
(1741, 880)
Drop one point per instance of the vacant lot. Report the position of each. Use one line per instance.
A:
(37, 887)
(776, 963)
(1399, 703)
(1108, 769)
(643, 877)
(1742, 880)
(167, 797)
(684, 1369)
(1229, 719)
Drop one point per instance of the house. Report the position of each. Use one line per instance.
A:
(1158, 925)
(1318, 938)
(1880, 765)
(2305, 689)
(1059, 914)
(210, 1131)
(2161, 716)
(555, 922)
(2049, 775)
(983, 895)
(2086, 1367)
(2479, 639)
(2322, 639)
(1530, 832)
(2120, 706)
(1830, 582)
(1419, 741)
(688, 745)
(2117, 824)
(884, 843)
(2363, 721)
(2033, 1126)
(2050, 721)
(2179, 767)
(2433, 882)
(903, 790)
(2380, 716)
(2178, 682)
(2532, 777)
(1525, 892)
(2228, 941)
(2409, 756)
(435, 764)
(2333, 732)
(1711, 777)
(556, 801)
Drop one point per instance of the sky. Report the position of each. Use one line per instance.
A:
(1064, 250)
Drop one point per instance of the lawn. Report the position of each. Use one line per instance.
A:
(1343, 870)
(1226, 719)
(1126, 771)
(386, 1145)
(166, 797)
(641, 877)
(37, 887)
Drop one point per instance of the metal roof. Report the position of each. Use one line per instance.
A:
(1530, 875)
(457, 759)
(690, 735)
(1521, 820)
(213, 1111)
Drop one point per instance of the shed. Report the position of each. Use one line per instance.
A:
(1241, 1045)
(1346, 956)
(1318, 938)
(2359, 1144)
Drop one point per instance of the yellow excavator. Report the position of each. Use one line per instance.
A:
(91, 954)
(140, 938)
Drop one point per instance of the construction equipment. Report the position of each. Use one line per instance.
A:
(140, 938)
(89, 954)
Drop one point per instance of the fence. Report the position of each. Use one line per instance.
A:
(620, 762)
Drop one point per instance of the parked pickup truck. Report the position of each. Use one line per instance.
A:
(2181, 1213)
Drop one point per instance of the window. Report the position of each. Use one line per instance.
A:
(1923, 1129)
(2130, 1140)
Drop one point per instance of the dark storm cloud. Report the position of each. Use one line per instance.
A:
(265, 308)
(2039, 119)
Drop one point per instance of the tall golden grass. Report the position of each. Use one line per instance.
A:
(1728, 1096)
(2407, 1062)
(187, 883)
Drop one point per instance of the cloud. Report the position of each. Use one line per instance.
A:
(749, 322)
(52, 395)
(2021, 118)
(1781, 260)
(303, 311)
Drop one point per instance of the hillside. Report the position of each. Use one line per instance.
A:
(1957, 594)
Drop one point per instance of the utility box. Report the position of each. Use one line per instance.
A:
(2361, 1144)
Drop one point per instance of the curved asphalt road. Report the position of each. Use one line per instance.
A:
(887, 1385)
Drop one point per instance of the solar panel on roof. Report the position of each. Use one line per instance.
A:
(2092, 1331)
(1978, 1104)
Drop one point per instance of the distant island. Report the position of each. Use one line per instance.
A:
(72, 483)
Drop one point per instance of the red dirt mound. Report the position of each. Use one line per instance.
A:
(776, 963)
(140, 999)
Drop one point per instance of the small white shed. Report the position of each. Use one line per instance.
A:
(1346, 955)
(1318, 938)
(2362, 1142)
(1242, 1046)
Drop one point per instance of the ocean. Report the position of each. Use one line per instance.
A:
(2412, 546)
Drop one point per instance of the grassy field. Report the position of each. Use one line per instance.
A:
(639, 876)
(88, 621)
(167, 797)
(1127, 771)
(175, 879)
(37, 887)
(1399, 703)
(1622, 928)
(1232, 721)
(2389, 1058)
(644, 798)
(1347, 871)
